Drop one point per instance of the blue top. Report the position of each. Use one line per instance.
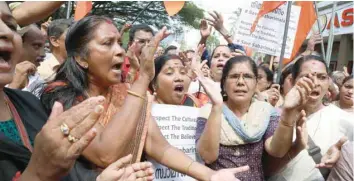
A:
(9, 129)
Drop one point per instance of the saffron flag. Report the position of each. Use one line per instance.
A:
(267, 7)
(82, 8)
(173, 7)
(306, 20)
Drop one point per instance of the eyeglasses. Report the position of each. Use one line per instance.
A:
(246, 77)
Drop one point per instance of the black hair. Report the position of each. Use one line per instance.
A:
(159, 63)
(346, 79)
(268, 73)
(57, 28)
(70, 73)
(171, 47)
(285, 73)
(212, 54)
(139, 27)
(228, 66)
(297, 66)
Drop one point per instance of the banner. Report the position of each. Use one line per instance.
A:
(343, 20)
(178, 125)
(268, 35)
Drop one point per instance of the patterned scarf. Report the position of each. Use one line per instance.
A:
(249, 129)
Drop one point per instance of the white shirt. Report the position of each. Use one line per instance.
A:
(325, 127)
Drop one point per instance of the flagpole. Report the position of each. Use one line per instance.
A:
(68, 10)
(285, 37)
(319, 31)
(136, 18)
(330, 38)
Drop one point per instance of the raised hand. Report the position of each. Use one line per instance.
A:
(121, 170)
(63, 138)
(228, 174)
(273, 94)
(131, 54)
(205, 31)
(147, 65)
(45, 25)
(212, 89)
(217, 21)
(298, 95)
(314, 39)
(125, 27)
(332, 155)
(22, 71)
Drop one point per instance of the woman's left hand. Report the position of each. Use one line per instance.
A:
(301, 132)
(332, 155)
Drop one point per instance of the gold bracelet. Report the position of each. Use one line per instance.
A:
(136, 95)
(189, 166)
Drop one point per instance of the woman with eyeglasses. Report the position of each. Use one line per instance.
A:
(236, 128)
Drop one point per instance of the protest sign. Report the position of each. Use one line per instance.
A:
(178, 125)
(268, 35)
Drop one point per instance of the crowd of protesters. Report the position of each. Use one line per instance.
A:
(82, 110)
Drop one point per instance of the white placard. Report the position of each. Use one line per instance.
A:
(178, 125)
(268, 35)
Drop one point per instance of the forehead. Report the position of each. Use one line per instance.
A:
(34, 34)
(312, 66)
(172, 63)
(106, 29)
(222, 49)
(243, 67)
(142, 34)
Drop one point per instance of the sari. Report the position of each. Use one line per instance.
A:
(114, 100)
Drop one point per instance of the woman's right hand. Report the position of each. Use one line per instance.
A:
(54, 155)
(147, 64)
(121, 170)
(210, 87)
(299, 94)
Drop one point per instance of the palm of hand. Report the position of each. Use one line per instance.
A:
(292, 99)
(333, 153)
(211, 89)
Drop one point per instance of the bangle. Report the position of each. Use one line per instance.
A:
(136, 95)
(189, 166)
(285, 124)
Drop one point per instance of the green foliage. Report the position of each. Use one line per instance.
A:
(126, 12)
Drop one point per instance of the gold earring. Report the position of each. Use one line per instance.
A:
(85, 65)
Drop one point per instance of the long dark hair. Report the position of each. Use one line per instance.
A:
(71, 79)
(228, 67)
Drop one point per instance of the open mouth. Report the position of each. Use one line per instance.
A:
(179, 88)
(315, 93)
(220, 65)
(5, 56)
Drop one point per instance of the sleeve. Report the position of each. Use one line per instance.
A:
(273, 124)
(343, 170)
(200, 127)
(205, 55)
(233, 46)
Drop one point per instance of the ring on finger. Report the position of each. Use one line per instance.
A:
(64, 128)
(72, 139)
